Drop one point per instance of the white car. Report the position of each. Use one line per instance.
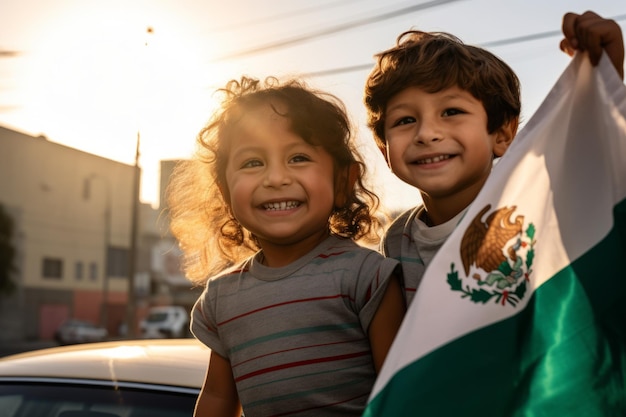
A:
(165, 322)
(79, 331)
(136, 378)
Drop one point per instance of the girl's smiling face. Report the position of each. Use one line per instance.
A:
(278, 186)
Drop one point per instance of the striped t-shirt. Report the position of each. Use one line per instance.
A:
(296, 336)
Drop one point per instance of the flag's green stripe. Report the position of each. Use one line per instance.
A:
(563, 355)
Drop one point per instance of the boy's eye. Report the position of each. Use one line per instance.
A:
(404, 121)
(451, 112)
(299, 158)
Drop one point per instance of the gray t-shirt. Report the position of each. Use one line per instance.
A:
(414, 244)
(296, 336)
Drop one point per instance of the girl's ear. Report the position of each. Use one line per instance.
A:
(345, 184)
(504, 136)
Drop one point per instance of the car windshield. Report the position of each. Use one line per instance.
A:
(32, 399)
(156, 317)
(77, 323)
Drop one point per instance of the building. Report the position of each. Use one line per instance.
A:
(161, 255)
(73, 217)
(169, 284)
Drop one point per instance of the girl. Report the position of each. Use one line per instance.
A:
(303, 319)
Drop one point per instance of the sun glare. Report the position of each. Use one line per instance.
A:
(105, 79)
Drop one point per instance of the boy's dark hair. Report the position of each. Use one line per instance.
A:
(196, 191)
(433, 61)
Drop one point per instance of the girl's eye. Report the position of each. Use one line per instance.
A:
(404, 121)
(252, 163)
(299, 158)
(451, 112)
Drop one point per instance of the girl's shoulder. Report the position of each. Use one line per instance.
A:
(346, 251)
(337, 245)
(234, 269)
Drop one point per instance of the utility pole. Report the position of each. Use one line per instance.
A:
(132, 264)
(131, 307)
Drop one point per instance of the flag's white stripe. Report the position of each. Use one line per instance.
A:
(439, 315)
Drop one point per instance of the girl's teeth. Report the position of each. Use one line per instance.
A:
(283, 205)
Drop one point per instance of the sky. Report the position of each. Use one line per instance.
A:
(92, 74)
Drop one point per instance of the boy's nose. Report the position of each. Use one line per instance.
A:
(276, 176)
(427, 132)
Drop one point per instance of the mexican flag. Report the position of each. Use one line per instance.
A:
(523, 310)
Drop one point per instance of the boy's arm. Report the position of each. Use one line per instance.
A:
(592, 33)
(386, 321)
(218, 396)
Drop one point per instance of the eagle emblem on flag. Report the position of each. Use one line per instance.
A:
(497, 255)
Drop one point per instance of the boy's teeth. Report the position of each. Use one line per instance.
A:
(283, 205)
(432, 160)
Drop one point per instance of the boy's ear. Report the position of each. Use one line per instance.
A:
(504, 136)
(345, 184)
(383, 149)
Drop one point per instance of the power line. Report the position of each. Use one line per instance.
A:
(8, 54)
(491, 44)
(331, 30)
(281, 16)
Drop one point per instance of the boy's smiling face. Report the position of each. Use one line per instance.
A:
(439, 143)
(279, 187)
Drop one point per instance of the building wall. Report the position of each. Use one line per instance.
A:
(43, 185)
(166, 169)
(59, 198)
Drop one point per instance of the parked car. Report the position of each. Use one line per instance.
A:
(136, 378)
(165, 321)
(79, 331)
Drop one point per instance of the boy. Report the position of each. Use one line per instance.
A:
(441, 111)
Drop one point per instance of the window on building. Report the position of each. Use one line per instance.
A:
(93, 271)
(117, 262)
(52, 268)
(78, 271)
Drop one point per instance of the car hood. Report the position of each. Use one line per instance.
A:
(178, 362)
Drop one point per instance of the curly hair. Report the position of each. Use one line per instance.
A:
(200, 217)
(434, 61)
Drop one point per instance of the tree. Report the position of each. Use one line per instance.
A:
(7, 253)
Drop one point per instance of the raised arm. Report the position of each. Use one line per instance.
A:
(592, 33)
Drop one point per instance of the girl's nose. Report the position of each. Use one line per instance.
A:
(276, 176)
